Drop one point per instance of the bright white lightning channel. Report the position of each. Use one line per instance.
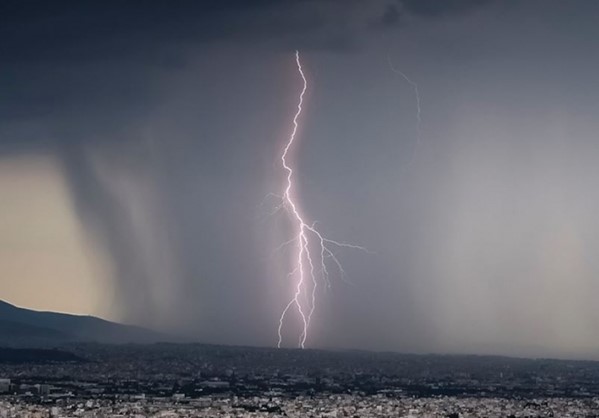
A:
(310, 245)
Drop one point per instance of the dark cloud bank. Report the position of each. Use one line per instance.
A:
(168, 117)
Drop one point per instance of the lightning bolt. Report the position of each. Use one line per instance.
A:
(306, 239)
(414, 86)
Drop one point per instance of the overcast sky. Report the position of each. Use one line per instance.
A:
(139, 142)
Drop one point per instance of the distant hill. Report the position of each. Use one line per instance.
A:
(21, 327)
(16, 334)
(30, 355)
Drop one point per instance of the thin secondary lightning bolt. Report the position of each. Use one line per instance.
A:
(306, 238)
(417, 96)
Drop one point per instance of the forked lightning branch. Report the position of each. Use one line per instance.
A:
(309, 271)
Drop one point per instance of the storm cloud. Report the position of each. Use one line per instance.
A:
(168, 120)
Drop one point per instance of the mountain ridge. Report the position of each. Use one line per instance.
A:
(26, 327)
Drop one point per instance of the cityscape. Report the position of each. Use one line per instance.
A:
(195, 380)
